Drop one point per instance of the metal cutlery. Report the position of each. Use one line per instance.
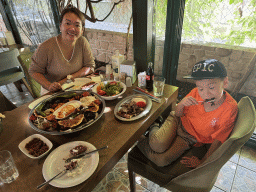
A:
(151, 97)
(83, 154)
(46, 182)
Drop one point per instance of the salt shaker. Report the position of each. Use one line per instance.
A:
(128, 81)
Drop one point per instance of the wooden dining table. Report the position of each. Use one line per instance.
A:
(118, 135)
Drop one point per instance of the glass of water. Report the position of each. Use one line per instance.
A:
(8, 170)
(158, 86)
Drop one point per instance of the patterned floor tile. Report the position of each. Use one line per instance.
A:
(153, 187)
(216, 189)
(116, 182)
(226, 176)
(235, 157)
(121, 166)
(245, 180)
(248, 158)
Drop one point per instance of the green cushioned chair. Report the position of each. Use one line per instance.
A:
(25, 60)
(177, 177)
(11, 70)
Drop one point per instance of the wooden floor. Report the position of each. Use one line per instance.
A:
(237, 175)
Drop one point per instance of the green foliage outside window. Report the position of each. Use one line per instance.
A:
(231, 22)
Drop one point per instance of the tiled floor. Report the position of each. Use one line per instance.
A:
(237, 175)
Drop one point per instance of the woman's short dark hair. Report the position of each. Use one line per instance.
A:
(77, 12)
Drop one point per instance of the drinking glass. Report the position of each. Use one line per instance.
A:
(8, 170)
(158, 85)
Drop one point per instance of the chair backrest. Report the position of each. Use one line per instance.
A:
(203, 177)
(9, 60)
(25, 60)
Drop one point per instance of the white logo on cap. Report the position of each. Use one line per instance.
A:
(207, 67)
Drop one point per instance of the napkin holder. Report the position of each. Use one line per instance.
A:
(129, 67)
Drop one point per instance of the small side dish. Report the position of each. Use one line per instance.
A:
(35, 146)
(109, 90)
(132, 108)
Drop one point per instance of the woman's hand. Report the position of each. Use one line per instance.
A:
(188, 101)
(55, 86)
(191, 162)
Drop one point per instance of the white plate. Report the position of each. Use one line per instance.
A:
(94, 89)
(55, 163)
(127, 100)
(31, 137)
(79, 82)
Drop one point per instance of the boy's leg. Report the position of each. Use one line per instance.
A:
(161, 138)
(178, 147)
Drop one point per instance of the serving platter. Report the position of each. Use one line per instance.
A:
(79, 127)
(129, 99)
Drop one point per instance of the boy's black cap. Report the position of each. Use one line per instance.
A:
(207, 69)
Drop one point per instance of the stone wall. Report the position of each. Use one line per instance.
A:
(104, 44)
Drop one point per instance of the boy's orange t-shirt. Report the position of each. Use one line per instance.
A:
(209, 126)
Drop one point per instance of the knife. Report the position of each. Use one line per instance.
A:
(83, 154)
(153, 98)
(68, 87)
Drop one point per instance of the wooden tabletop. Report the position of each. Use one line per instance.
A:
(118, 135)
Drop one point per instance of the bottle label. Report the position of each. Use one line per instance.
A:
(148, 77)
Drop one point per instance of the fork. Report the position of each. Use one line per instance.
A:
(46, 182)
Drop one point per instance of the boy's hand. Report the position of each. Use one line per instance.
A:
(191, 162)
(188, 101)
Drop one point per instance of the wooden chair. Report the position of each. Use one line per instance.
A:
(11, 70)
(177, 177)
(5, 104)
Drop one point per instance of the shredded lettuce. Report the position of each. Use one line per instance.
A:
(112, 89)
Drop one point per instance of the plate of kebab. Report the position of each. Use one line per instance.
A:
(133, 107)
(66, 112)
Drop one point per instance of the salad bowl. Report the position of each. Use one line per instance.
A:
(106, 84)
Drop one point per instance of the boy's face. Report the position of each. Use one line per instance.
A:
(211, 88)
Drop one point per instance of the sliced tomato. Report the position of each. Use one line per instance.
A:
(113, 83)
(141, 104)
(101, 92)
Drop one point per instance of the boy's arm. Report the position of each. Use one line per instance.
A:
(179, 110)
(194, 161)
(185, 102)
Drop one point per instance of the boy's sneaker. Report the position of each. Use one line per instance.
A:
(159, 120)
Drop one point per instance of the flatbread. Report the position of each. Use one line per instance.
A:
(72, 122)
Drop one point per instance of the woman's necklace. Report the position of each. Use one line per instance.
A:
(63, 54)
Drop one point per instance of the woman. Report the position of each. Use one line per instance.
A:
(66, 54)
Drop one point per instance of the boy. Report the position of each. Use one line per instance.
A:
(206, 115)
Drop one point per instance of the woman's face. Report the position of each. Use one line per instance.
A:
(71, 27)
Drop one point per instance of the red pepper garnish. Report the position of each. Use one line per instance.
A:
(141, 104)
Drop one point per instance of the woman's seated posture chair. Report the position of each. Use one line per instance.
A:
(11, 70)
(177, 177)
